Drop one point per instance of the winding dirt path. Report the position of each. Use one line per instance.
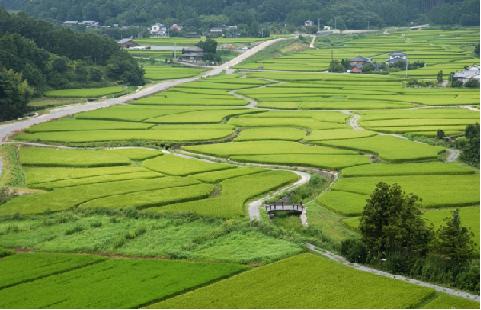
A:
(255, 206)
(342, 260)
(452, 155)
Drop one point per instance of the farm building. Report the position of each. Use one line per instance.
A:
(467, 75)
(192, 54)
(358, 63)
(396, 57)
(158, 30)
(216, 32)
(308, 23)
(127, 43)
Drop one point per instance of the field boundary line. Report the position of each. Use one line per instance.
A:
(97, 261)
(193, 288)
(345, 262)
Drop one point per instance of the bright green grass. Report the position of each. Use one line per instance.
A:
(69, 197)
(51, 157)
(233, 195)
(158, 73)
(241, 246)
(381, 169)
(173, 237)
(271, 133)
(114, 283)
(265, 147)
(215, 116)
(311, 160)
(284, 122)
(444, 301)
(108, 136)
(323, 116)
(334, 134)
(126, 112)
(85, 92)
(345, 203)
(435, 190)
(145, 174)
(390, 148)
(319, 283)
(216, 176)
(175, 165)
(151, 198)
(80, 124)
(20, 268)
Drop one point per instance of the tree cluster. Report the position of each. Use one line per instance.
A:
(395, 236)
(48, 56)
(209, 47)
(469, 144)
(249, 15)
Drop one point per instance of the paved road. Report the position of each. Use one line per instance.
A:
(438, 288)
(10, 128)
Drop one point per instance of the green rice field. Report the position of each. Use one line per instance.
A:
(159, 202)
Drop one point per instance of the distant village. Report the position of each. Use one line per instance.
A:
(397, 60)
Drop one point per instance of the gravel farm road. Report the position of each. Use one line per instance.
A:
(12, 127)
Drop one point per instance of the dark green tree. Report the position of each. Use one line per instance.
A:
(391, 224)
(14, 95)
(470, 150)
(440, 77)
(454, 243)
(336, 66)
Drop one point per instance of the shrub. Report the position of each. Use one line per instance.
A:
(354, 250)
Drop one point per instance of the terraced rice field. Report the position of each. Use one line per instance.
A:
(103, 283)
(87, 92)
(258, 288)
(170, 179)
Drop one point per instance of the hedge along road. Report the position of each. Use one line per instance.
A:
(10, 128)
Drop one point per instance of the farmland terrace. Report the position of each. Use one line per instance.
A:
(160, 192)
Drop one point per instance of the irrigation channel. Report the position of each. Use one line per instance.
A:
(253, 206)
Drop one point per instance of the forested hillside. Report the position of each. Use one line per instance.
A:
(36, 56)
(205, 13)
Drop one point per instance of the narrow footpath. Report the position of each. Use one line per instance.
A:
(342, 260)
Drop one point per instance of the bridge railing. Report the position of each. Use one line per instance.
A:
(282, 207)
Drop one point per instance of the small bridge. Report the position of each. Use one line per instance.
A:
(294, 208)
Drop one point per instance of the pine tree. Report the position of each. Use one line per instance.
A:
(454, 242)
(391, 223)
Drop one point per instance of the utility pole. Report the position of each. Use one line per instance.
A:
(407, 66)
(368, 25)
(318, 25)
(335, 23)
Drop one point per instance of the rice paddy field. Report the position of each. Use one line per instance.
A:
(87, 92)
(149, 203)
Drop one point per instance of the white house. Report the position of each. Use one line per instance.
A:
(158, 30)
(469, 74)
(396, 57)
(327, 28)
(89, 23)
